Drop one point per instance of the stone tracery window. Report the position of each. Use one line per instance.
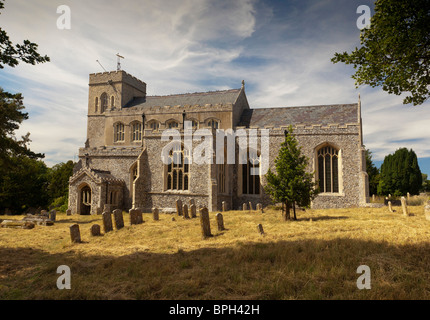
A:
(178, 169)
(119, 132)
(136, 131)
(214, 124)
(328, 169)
(173, 124)
(154, 125)
(250, 181)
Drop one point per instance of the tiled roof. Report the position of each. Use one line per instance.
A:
(276, 117)
(199, 98)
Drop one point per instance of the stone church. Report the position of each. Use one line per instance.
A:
(122, 165)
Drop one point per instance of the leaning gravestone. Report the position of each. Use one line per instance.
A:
(193, 211)
(118, 218)
(95, 230)
(75, 234)
(185, 211)
(179, 207)
(260, 229)
(69, 212)
(205, 223)
(220, 221)
(107, 221)
(155, 214)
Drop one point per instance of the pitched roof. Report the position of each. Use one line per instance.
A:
(276, 117)
(199, 98)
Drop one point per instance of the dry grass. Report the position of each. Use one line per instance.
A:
(304, 259)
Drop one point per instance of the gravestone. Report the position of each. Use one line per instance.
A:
(75, 233)
(139, 216)
(390, 208)
(107, 221)
(224, 206)
(179, 207)
(118, 218)
(95, 230)
(244, 207)
(220, 221)
(52, 215)
(193, 211)
(250, 206)
(409, 196)
(373, 197)
(404, 206)
(134, 216)
(191, 202)
(69, 212)
(427, 211)
(260, 229)
(185, 211)
(155, 214)
(205, 223)
(107, 208)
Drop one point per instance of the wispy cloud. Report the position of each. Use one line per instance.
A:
(282, 49)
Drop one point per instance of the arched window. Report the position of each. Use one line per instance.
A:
(251, 174)
(194, 124)
(214, 124)
(96, 104)
(172, 124)
(328, 169)
(112, 102)
(104, 102)
(154, 125)
(178, 169)
(136, 131)
(119, 132)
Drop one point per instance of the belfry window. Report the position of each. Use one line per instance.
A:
(119, 132)
(136, 131)
(178, 169)
(251, 174)
(103, 102)
(214, 124)
(173, 124)
(154, 125)
(328, 169)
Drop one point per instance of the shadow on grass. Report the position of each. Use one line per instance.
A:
(322, 218)
(305, 269)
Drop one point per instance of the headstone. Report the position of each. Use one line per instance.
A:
(134, 216)
(373, 197)
(250, 206)
(404, 206)
(224, 206)
(205, 223)
(390, 208)
(69, 212)
(427, 211)
(118, 218)
(192, 202)
(409, 196)
(155, 214)
(17, 224)
(107, 208)
(75, 234)
(220, 221)
(244, 207)
(179, 207)
(260, 229)
(107, 221)
(52, 215)
(139, 216)
(193, 211)
(95, 230)
(185, 211)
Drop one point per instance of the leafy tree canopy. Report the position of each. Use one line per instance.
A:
(395, 51)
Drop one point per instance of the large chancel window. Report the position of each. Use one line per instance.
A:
(328, 169)
(119, 132)
(251, 174)
(178, 169)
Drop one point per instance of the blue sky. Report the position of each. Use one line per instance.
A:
(282, 49)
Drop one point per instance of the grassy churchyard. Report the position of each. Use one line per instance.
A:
(315, 257)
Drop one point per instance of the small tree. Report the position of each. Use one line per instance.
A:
(291, 184)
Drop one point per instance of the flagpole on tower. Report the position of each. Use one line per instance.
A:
(118, 64)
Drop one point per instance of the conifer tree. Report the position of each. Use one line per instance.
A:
(291, 184)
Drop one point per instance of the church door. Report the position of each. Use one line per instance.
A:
(86, 200)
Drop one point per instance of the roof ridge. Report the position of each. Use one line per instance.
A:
(194, 93)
